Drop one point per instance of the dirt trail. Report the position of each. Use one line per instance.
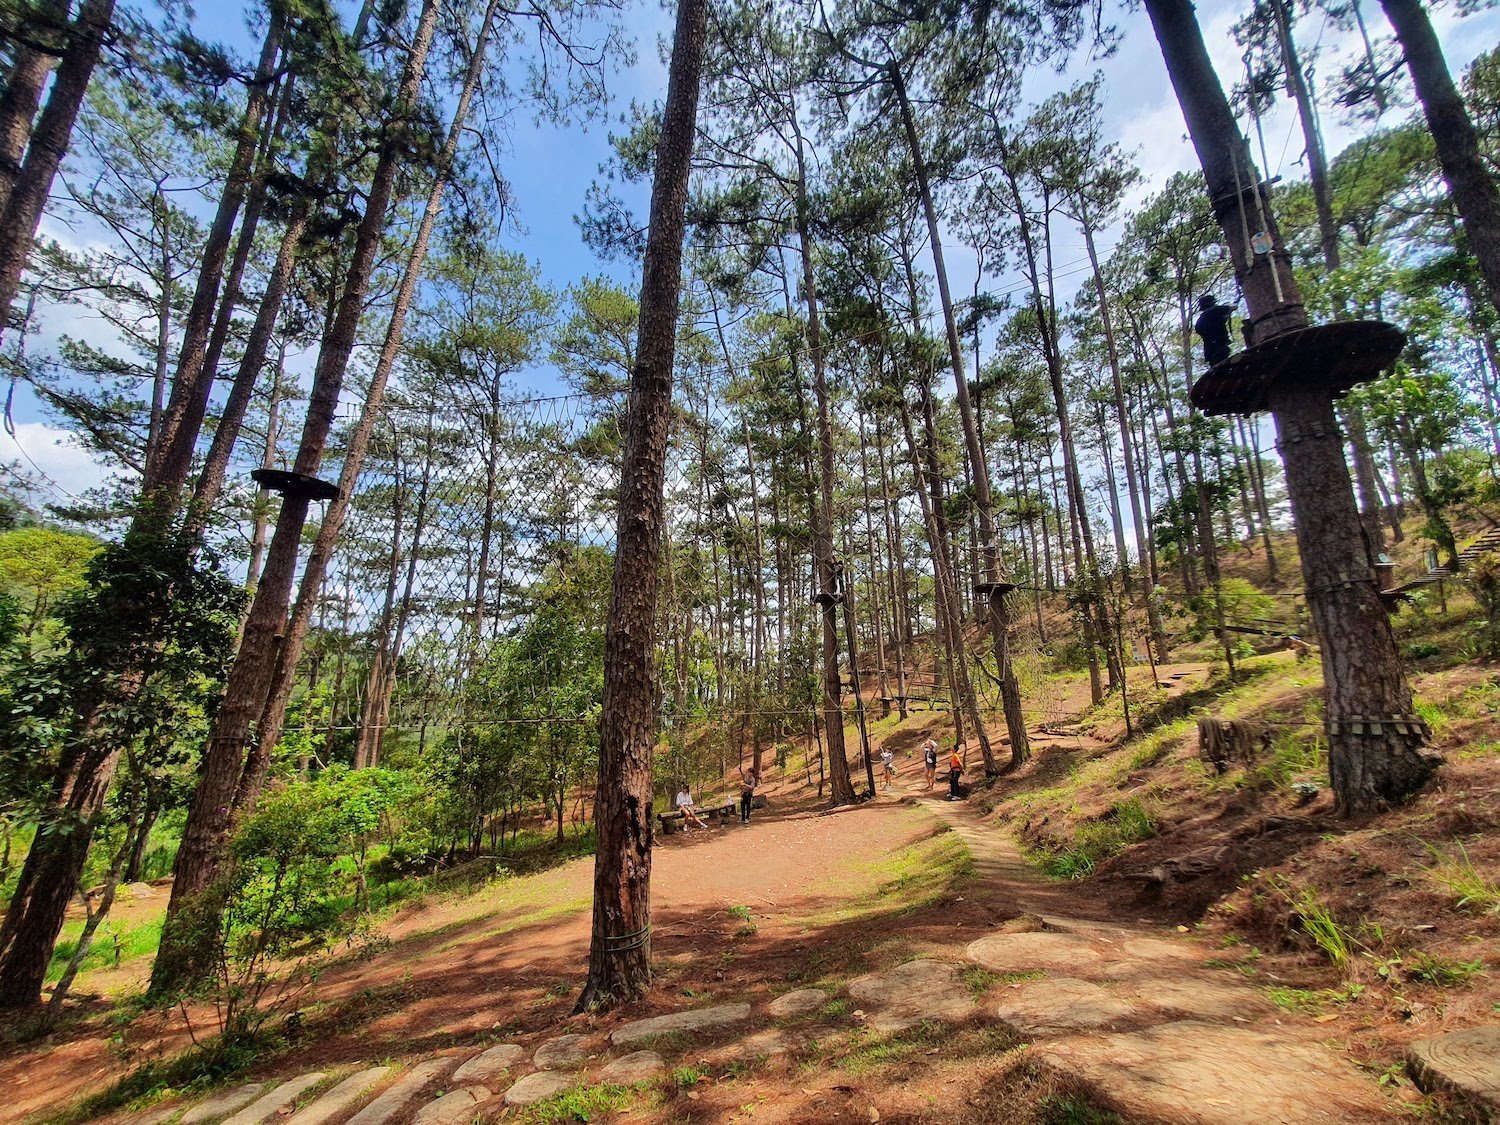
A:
(1124, 1007)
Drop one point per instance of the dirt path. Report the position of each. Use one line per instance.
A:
(1130, 1011)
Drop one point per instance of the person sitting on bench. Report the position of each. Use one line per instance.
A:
(685, 807)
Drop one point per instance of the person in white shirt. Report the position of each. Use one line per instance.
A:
(685, 806)
(888, 764)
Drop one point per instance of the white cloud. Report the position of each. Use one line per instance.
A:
(54, 454)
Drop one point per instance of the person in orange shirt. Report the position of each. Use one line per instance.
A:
(955, 770)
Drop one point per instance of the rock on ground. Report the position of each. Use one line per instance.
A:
(395, 1100)
(223, 1104)
(346, 1095)
(697, 1019)
(561, 1053)
(1466, 1063)
(1028, 952)
(272, 1103)
(802, 1002)
(1205, 1074)
(1059, 1005)
(453, 1108)
(634, 1067)
(1199, 999)
(496, 1061)
(913, 992)
(535, 1087)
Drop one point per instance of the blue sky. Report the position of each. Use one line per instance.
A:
(550, 168)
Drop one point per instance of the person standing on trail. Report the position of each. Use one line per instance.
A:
(887, 765)
(929, 761)
(685, 807)
(748, 782)
(955, 771)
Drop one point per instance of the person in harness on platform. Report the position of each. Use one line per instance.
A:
(1212, 326)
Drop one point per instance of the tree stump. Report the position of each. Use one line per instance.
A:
(1227, 742)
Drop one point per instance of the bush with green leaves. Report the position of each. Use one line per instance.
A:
(282, 905)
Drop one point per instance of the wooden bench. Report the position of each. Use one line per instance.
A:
(674, 821)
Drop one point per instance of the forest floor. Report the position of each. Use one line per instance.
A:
(807, 898)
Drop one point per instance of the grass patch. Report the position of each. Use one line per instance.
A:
(908, 880)
(582, 1103)
(978, 980)
(1433, 969)
(1074, 1109)
(1312, 1001)
(1457, 875)
(1127, 822)
(1318, 923)
(111, 947)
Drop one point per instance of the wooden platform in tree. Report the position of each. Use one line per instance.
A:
(1335, 356)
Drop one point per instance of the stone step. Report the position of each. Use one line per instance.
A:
(454, 1108)
(222, 1105)
(345, 1096)
(491, 1064)
(539, 1085)
(697, 1019)
(271, 1104)
(394, 1101)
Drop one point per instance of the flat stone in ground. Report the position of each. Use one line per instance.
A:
(535, 1087)
(1026, 953)
(404, 1091)
(345, 1096)
(632, 1068)
(562, 1053)
(1464, 1062)
(1161, 949)
(910, 993)
(453, 1108)
(696, 1019)
(270, 1104)
(1200, 999)
(800, 1003)
(761, 1045)
(1060, 1005)
(496, 1061)
(1206, 1074)
(221, 1105)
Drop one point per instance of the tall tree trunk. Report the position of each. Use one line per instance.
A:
(83, 39)
(620, 941)
(30, 67)
(267, 638)
(979, 473)
(1473, 189)
(1376, 752)
(192, 383)
(840, 788)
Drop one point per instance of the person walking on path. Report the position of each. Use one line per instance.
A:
(748, 782)
(685, 807)
(887, 766)
(929, 761)
(955, 770)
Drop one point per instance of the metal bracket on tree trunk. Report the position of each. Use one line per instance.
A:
(1376, 724)
(1310, 435)
(1341, 582)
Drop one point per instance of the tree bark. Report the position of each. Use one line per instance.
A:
(48, 143)
(620, 941)
(1376, 752)
(253, 674)
(1473, 189)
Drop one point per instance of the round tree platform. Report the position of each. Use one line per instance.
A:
(294, 484)
(985, 589)
(1334, 357)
